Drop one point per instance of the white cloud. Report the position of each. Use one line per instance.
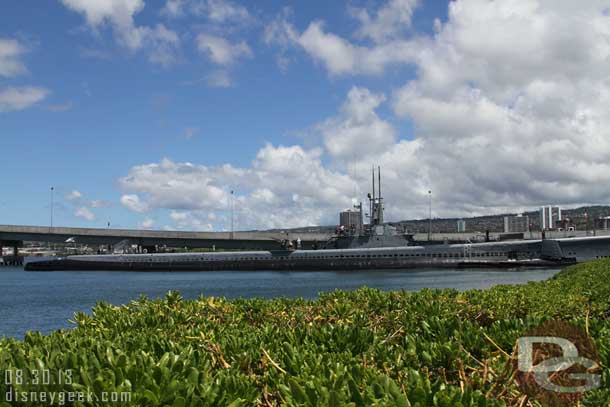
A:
(19, 98)
(163, 44)
(216, 11)
(222, 11)
(221, 51)
(192, 220)
(389, 22)
(100, 203)
(82, 207)
(11, 52)
(277, 175)
(73, 195)
(96, 11)
(119, 14)
(358, 132)
(173, 8)
(281, 32)
(133, 203)
(178, 216)
(338, 55)
(510, 107)
(85, 213)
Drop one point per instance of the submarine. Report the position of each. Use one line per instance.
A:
(511, 254)
(355, 246)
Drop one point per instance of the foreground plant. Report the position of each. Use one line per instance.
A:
(360, 348)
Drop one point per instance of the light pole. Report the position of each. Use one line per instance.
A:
(586, 224)
(232, 210)
(52, 204)
(430, 215)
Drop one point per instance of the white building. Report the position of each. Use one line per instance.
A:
(550, 216)
(461, 226)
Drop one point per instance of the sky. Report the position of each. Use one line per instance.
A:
(165, 114)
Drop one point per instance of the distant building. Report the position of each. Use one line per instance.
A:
(550, 217)
(461, 226)
(516, 224)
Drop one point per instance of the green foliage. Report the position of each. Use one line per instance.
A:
(438, 348)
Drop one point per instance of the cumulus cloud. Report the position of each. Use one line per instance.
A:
(223, 11)
(83, 208)
(221, 51)
(100, 203)
(389, 21)
(178, 216)
(18, 98)
(193, 220)
(85, 213)
(217, 11)
(510, 107)
(11, 52)
(173, 8)
(119, 14)
(163, 44)
(292, 178)
(133, 203)
(73, 195)
(280, 32)
(338, 55)
(358, 132)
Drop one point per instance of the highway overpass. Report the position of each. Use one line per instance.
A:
(14, 235)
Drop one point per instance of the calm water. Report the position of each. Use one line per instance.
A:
(46, 301)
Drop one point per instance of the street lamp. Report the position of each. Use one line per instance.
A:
(232, 211)
(586, 224)
(430, 215)
(52, 204)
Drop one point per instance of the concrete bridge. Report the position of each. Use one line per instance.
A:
(14, 236)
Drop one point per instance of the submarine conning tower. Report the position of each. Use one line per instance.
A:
(353, 233)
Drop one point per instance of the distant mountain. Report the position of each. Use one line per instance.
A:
(493, 223)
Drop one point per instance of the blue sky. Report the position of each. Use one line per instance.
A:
(117, 85)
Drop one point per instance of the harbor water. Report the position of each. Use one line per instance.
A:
(40, 301)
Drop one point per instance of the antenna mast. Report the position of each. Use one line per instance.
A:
(379, 186)
(373, 170)
(380, 203)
